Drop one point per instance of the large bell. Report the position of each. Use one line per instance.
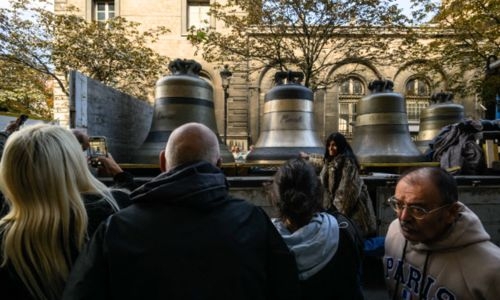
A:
(288, 122)
(381, 133)
(181, 98)
(440, 113)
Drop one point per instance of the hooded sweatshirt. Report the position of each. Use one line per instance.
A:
(464, 264)
(313, 244)
(327, 258)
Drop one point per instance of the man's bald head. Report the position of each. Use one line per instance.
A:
(188, 143)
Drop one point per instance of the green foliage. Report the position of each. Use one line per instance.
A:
(460, 38)
(24, 91)
(300, 35)
(114, 52)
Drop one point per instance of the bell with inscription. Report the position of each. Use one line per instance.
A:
(288, 122)
(180, 98)
(381, 133)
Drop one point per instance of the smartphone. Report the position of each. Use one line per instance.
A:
(98, 147)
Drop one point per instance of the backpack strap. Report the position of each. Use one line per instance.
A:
(354, 233)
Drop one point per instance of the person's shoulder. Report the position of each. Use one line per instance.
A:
(96, 205)
(480, 263)
(349, 229)
(241, 202)
(393, 231)
(487, 251)
(243, 206)
(347, 160)
(122, 197)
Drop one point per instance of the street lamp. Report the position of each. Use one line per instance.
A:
(225, 75)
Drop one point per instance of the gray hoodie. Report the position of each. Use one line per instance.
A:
(313, 244)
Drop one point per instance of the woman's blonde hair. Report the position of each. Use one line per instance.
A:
(42, 175)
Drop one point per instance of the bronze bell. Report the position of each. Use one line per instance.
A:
(381, 133)
(181, 98)
(288, 122)
(441, 112)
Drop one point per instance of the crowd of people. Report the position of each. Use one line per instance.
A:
(182, 235)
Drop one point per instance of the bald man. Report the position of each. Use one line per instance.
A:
(185, 237)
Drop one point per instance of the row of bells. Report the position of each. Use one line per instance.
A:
(381, 132)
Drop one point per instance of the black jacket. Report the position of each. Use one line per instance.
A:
(184, 237)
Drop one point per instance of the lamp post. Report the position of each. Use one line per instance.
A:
(225, 75)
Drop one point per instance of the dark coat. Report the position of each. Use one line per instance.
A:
(456, 149)
(184, 237)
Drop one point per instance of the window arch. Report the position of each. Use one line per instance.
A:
(352, 86)
(351, 89)
(417, 94)
(418, 86)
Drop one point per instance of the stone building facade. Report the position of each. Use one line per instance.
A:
(334, 107)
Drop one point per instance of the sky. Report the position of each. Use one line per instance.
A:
(5, 3)
(405, 5)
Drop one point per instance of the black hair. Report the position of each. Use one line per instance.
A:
(343, 147)
(298, 192)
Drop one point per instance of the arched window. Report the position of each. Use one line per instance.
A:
(351, 90)
(352, 86)
(418, 87)
(417, 94)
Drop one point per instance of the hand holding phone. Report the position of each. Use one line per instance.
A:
(98, 147)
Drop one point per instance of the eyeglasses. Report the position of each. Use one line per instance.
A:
(416, 212)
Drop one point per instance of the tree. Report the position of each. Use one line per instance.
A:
(469, 34)
(302, 34)
(25, 91)
(114, 52)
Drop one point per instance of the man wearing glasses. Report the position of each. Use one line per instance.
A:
(437, 248)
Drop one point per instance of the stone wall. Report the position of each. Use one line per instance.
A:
(101, 110)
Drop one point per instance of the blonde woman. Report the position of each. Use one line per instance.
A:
(54, 205)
